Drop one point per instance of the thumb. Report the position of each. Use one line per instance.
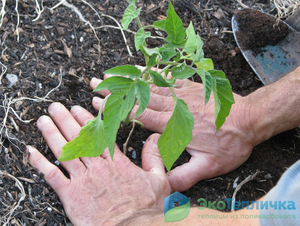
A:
(151, 159)
(185, 176)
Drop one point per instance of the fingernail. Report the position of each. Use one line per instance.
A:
(44, 119)
(95, 81)
(54, 107)
(75, 110)
(97, 100)
(155, 138)
(29, 149)
(108, 75)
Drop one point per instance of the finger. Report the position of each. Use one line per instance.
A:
(64, 121)
(153, 120)
(56, 141)
(81, 115)
(185, 176)
(164, 91)
(54, 177)
(151, 159)
(97, 102)
(94, 83)
(160, 103)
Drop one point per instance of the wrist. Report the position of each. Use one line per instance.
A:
(274, 108)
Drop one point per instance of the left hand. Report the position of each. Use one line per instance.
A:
(100, 191)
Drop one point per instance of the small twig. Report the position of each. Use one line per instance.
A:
(4, 68)
(38, 9)
(2, 12)
(18, 20)
(22, 197)
(121, 29)
(79, 14)
(242, 4)
(286, 8)
(239, 186)
(127, 140)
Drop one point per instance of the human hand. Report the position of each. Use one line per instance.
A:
(212, 153)
(99, 191)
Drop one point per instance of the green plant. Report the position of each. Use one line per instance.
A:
(182, 55)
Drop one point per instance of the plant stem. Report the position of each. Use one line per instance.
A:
(139, 22)
(168, 63)
(145, 74)
(165, 68)
(102, 105)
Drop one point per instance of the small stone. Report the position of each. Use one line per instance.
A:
(13, 79)
(133, 154)
(60, 30)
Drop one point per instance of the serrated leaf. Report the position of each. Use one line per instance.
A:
(223, 97)
(199, 51)
(124, 93)
(90, 142)
(205, 63)
(152, 61)
(160, 24)
(207, 82)
(174, 27)
(115, 84)
(140, 38)
(143, 96)
(182, 72)
(158, 79)
(151, 52)
(125, 70)
(191, 44)
(177, 58)
(130, 14)
(167, 53)
(177, 134)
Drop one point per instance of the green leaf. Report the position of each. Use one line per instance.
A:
(143, 96)
(158, 79)
(140, 38)
(130, 14)
(205, 63)
(177, 134)
(125, 70)
(151, 52)
(152, 61)
(223, 97)
(115, 84)
(191, 44)
(207, 82)
(160, 24)
(177, 58)
(90, 142)
(182, 72)
(167, 53)
(174, 27)
(124, 93)
(199, 52)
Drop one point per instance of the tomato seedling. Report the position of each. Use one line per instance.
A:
(181, 55)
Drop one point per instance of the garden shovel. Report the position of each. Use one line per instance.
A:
(274, 61)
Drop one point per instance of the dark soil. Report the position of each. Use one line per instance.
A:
(257, 29)
(40, 57)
